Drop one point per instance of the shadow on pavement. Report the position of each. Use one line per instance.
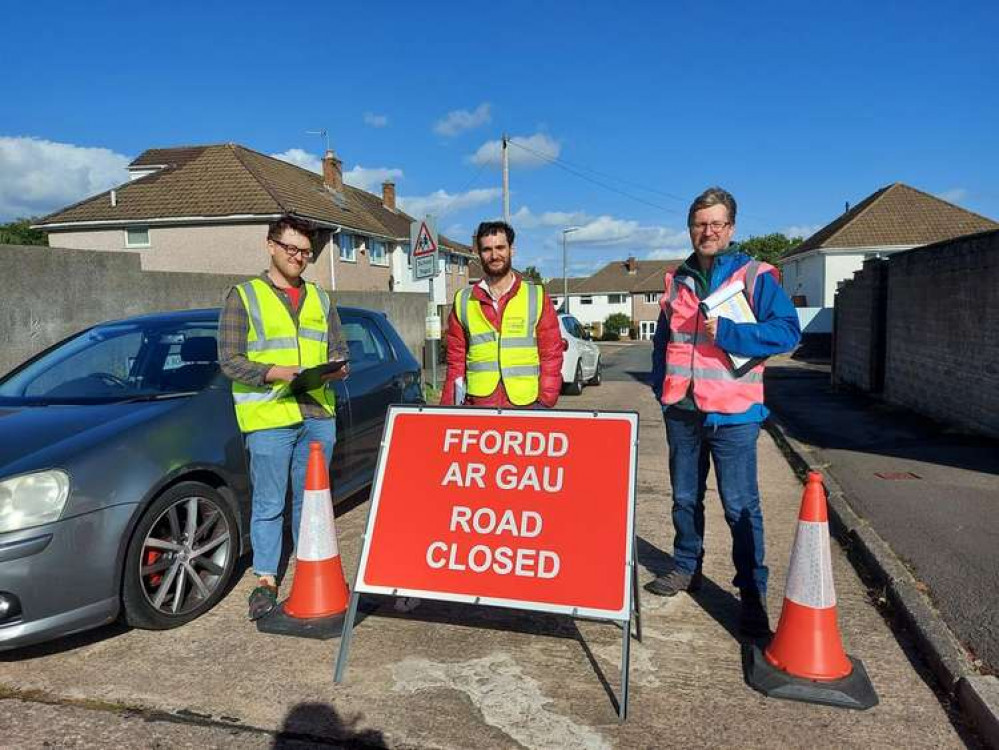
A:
(319, 725)
(722, 605)
(814, 413)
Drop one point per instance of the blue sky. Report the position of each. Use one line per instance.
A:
(794, 107)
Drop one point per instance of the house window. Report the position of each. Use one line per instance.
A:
(463, 266)
(347, 251)
(137, 237)
(409, 254)
(378, 256)
(586, 300)
(652, 297)
(615, 299)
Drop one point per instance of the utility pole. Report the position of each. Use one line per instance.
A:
(565, 268)
(506, 179)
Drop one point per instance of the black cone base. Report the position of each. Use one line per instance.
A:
(853, 691)
(278, 622)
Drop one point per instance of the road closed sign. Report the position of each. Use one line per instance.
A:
(517, 508)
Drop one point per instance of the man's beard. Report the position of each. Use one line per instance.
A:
(499, 274)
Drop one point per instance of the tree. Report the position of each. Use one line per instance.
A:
(19, 232)
(615, 325)
(531, 273)
(769, 247)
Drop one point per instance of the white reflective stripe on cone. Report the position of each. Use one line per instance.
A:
(317, 535)
(809, 576)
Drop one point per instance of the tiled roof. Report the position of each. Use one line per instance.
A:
(615, 277)
(896, 215)
(231, 180)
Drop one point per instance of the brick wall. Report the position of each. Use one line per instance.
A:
(859, 325)
(942, 356)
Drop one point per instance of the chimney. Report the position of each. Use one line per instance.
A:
(388, 195)
(632, 265)
(332, 171)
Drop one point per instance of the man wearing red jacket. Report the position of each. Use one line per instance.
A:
(504, 347)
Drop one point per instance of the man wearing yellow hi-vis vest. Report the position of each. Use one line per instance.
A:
(272, 327)
(503, 342)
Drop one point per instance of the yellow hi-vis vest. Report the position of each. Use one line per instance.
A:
(510, 354)
(274, 339)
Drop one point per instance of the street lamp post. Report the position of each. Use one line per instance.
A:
(565, 267)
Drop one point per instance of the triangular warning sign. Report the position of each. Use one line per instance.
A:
(425, 244)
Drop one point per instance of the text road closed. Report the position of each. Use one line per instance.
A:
(526, 507)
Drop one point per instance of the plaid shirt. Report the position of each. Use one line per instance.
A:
(234, 325)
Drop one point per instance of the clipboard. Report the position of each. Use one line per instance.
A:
(312, 378)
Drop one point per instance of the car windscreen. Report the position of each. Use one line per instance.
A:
(119, 362)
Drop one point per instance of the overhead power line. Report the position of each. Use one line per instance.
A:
(574, 170)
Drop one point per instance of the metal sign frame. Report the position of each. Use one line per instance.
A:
(631, 608)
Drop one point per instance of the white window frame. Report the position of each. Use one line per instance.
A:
(129, 243)
(353, 247)
(617, 299)
(586, 299)
(384, 261)
(652, 298)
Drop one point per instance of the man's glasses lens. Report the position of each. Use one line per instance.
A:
(714, 226)
(294, 249)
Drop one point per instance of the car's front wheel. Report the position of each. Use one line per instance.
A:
(180, 559)
(575, 387)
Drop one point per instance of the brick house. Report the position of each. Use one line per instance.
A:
(631, 287)
(206, 208)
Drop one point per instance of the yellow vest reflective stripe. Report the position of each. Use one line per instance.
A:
(273, 338)
(510, 354)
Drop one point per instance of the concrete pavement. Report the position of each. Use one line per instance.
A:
(451, 676)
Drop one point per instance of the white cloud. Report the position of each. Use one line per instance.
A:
(301, 158)
(801, 230)
(954, 195)
(524, 218)
(365, 178)
(39, 176)
(598, 232)
(541, 148)
(370, 178)
(460, 120)
(442, 203)
(375, 121)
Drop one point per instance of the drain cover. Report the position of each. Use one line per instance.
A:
(896, 475)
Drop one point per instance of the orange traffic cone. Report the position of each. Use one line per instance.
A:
(805, 660)
(318, 599)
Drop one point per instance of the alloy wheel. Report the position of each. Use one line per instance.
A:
(184, 555)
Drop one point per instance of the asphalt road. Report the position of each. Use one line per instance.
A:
(631, 361)
(930, 493)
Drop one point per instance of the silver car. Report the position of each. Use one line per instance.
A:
(123, 477)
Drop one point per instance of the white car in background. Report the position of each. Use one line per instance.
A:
(581, 360)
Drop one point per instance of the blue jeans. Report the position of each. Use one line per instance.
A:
(272, 454)
(732, 449)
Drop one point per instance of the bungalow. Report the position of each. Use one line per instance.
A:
(891, 220)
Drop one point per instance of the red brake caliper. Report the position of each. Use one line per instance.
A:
(152, 555)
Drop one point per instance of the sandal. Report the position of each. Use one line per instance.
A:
(262, 600)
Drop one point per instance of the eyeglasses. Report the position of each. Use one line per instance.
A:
(305, 252)
(714, 226)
